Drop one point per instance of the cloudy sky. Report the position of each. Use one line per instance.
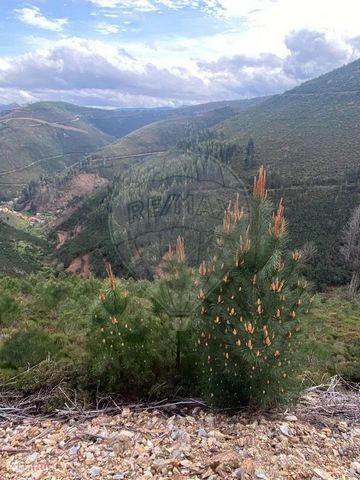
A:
(123, 53)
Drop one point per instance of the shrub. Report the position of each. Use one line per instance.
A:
(27, 348)
(57, 380)
(131, 348)
(250, 317)
(9, 308)
(331, 343)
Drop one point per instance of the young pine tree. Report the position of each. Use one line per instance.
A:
(249, 319)
(130, 347)
(175, 296)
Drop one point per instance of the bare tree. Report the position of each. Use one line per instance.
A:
(351, 248)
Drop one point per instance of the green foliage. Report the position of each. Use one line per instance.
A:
(57, 380)
(27, 348)
(330, 342)
(174, 297)
(206, 143)
(175, 292)
(66, 313)
(131, 348)
(250, 153)
(20, 251)
(253, 310)
(9, 308)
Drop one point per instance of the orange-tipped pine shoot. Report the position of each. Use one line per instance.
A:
(111, 277)
(279, 225)
(260, 184)
(180, 248)
(296, 255)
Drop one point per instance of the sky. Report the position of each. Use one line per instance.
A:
(154, 53)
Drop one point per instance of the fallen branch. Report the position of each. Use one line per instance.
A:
(335, 399)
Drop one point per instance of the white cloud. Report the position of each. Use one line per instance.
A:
(153, 5)
(137, 5)
(263, 47)
(75, 64)
(107, 28)
(101, 73)
(33, 16)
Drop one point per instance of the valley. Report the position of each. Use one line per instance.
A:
(179, 240)
(307, 138)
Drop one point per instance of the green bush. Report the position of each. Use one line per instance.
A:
(250, 317)
(27, 348)
(331, 338)
(131, 348)
(9, 308)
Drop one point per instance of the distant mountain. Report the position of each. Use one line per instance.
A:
(47, 137)
(309, 140)
(342, 80)
(40, 139)
(164, 135)
(9, 106)
(310, 133)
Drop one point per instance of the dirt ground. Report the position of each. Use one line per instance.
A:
(189, 444)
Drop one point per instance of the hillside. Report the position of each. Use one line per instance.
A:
(143, 147)
(23, 247)
(309, 139)
(309, 134)
(46, 137)
(308, 142)
(164, 135)
(38, 140)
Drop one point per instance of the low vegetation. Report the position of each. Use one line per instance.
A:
(67, 334)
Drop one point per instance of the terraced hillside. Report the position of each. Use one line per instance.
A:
(38, 140)
(309, 140)
(46, 137)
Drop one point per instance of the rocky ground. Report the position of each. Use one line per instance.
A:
(188, 444)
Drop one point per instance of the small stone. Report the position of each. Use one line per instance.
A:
(176, 434)
(177, 455)
(119, 476)
(284, 429)
(94, 471)
(216, 434)
(230, 459)
(261, 476)
(89, 458)
(322, 474)
(32, 458)
(180, 435)
(210, 420)
(342, 426)
(202, 433)
(74, 450)
(291, 418)
(355, 467)
(158, 462)
(125, 436)
(246, 470)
